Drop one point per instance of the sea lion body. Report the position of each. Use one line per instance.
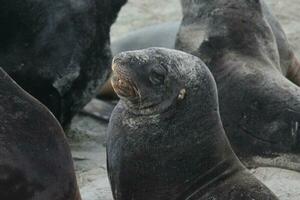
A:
(35, 159)
(248, 53)
(165, 136)
(58, 50)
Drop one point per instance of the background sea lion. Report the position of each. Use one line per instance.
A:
(58, 50)
(35, 159)
(166, 139)
(248, 53)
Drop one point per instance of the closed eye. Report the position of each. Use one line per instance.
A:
(157, 75)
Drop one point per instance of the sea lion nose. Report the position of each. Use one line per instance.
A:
(122, 59)
(115, 62)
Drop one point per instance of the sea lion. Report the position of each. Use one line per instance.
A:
(35, 159)
(254, 66)
(58, 50)
(165, 136)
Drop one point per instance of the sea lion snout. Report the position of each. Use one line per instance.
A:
(123, 64)
(122, 86)
(123, 59)
(121, 80)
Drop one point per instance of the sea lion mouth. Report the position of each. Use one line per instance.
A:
(122, 83)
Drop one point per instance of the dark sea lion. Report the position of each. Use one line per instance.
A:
(35, 159)
(165, 137)
(58, 50)
(254, 66)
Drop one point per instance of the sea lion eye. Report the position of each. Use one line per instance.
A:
(157, 75)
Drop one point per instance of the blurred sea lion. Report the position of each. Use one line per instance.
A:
(58, 50)
(256, 73)
(35, 159)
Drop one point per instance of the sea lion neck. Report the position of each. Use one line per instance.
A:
(208, 138)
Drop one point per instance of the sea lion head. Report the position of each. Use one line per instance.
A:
(153, 80)
(261, 115)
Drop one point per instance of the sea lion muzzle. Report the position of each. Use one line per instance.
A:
(121, 83)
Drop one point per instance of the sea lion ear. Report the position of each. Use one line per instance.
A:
(181, 94)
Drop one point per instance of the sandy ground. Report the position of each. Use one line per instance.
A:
(87, 134)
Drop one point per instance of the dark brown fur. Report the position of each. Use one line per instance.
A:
(254, 66)
(35, 159)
